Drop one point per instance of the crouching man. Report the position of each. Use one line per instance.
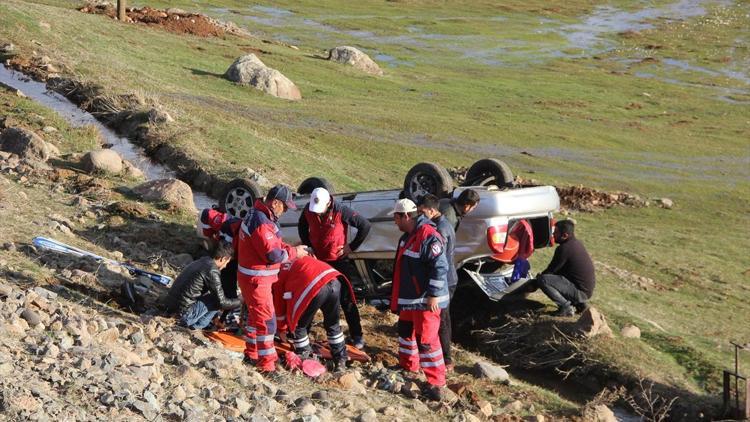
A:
(197, 295)
(569, 279)
(306, 285)
(420, 293)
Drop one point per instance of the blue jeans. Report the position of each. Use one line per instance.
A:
(199, 315)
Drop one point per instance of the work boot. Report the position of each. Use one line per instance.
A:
(339, 365)
(564, 311)
(247, 360)
(358, 342)
(581, 307)
(434, 392)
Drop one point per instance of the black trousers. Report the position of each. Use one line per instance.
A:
(327, 300)
(351, 312)
(561, 290)
(444, 332)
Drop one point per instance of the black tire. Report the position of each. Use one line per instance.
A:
(489, 171)
(426, 178)
(309, 184)
(238, 197)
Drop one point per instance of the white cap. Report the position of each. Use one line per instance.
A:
(403, 206)
(319, 200)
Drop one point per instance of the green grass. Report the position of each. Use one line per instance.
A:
(592, 120)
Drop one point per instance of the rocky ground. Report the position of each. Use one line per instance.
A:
(82, 356)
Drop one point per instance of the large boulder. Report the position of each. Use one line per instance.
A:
(24, 143)
(356, 58)
(102, 161)
(249, 70)
(591, 324)
(172, 191)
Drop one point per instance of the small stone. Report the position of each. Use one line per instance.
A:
(31, 317)
(630, 331)
(591, 324)
(49, 129)
(320, 395)
(536, 418)
(136, 337)
(242, 405)
(485, 408)
(349, 382)
(665, 203)
(515, 406)
(492, 372)
(602, 413)
(368, 415)
(108, 336)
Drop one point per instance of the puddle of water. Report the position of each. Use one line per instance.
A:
(273, 11)
(76, 117)
(589, 34)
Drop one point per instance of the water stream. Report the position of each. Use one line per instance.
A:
(38, 92)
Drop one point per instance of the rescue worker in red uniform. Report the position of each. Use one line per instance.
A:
(420, 292)
(260, 253)
(209, 225)
(306, 285)
(323, 226)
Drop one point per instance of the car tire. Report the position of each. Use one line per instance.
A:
(311, 183)
(489, 171)
(238, 197)
(426, 178)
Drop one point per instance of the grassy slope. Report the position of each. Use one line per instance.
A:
(587, 120)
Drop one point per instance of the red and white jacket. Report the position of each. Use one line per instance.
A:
(299, 282)
(260, 250)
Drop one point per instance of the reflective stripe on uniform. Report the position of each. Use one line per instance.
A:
(309, 287)
(412, 254)
(302, 344)
(338, 338)
(421, 300)
(266, 352)
(281, 318)
(431, 355)
(407, 351)
(437, 283)
(249, 340)
(432, 364)
(406, 342)
(264, 339)
(257, 273)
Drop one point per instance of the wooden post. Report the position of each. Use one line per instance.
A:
(121, 10)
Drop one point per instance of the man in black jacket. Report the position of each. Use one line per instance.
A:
(455, 209)
(569, 279)
(323, 225)
(197, 295)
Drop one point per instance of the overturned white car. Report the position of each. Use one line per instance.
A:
(486, 241)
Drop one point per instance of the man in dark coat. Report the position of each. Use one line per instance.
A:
(197, 295)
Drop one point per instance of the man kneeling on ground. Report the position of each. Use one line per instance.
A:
(306, 285)
(569, 279)
(197, 295)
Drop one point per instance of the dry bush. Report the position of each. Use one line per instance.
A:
(649, 405)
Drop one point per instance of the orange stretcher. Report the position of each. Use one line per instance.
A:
(235, 343)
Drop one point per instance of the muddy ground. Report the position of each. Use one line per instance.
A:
(173, 20)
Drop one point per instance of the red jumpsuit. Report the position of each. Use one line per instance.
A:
(260, 254)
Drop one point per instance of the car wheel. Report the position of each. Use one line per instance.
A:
(238, 197)
(309, 184)
(426, 178)
(489, 171)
